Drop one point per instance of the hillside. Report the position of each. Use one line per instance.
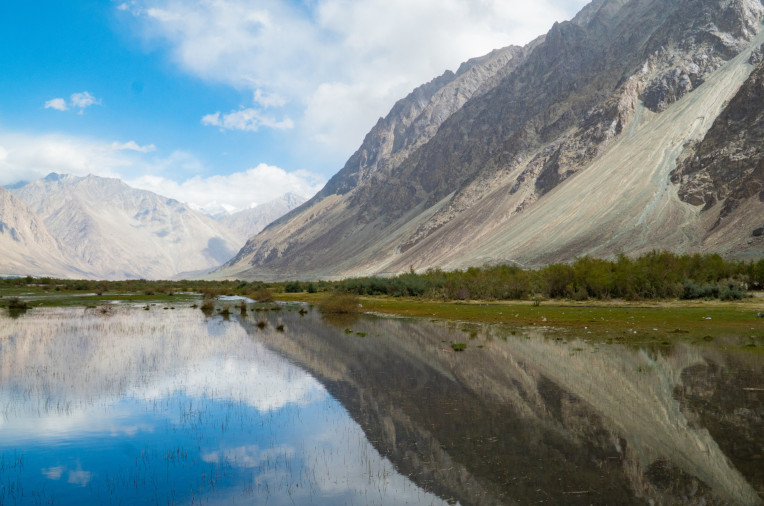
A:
(586, 141)
(116, 232)
(249, 222)
(27, 245)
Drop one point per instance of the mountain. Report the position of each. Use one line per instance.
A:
(28, 248)
(593, 139)
(117, 232)
(249, 222)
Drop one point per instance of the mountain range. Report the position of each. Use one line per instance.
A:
(635, 126)
(95, 227)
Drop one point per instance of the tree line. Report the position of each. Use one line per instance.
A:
(655, 275)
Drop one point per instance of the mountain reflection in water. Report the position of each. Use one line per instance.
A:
(522, 418)
(125, 406)
(130, 405)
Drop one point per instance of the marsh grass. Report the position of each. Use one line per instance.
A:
(16, 303)
(263, 294)
(340, 304)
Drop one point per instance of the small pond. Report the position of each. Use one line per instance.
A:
(126, 405)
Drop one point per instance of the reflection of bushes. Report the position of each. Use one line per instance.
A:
(16, 307)
(17, 304)
(208, 304)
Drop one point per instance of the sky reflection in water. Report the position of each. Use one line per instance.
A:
(129, 407)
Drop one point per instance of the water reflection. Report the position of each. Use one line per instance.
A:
(521, 419)
(129, 406)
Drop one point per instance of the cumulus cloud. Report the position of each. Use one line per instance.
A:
(28, 157)
(79, 101)
(58, 104)
(268, 99)
(343, 63)
(235, 191)
(83, 100)
(248, 120)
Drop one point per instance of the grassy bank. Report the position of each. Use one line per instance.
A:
(658, 296)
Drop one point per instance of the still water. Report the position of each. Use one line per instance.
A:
(121, 405)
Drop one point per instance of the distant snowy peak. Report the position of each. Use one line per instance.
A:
(251, 221)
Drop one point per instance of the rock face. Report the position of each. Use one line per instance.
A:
(724, 173)
(249, 222)
(115, 231)
(27, 246)
(530, 155)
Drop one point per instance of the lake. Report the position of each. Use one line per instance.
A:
(125, 405)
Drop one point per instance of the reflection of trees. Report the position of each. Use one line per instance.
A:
(522, 419)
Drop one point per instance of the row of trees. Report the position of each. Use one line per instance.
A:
(656, 275)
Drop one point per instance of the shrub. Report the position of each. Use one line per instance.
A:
(341, 303)
(293, 287)
(208, 306)
(692, 290)
(16, 303)
(262, 294)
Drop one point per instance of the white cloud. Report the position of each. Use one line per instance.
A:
(83, 100)
(267, 100)
(235, 191)
(58, 104)
(248, 120)
(133, 146)
(26, 157)
(29, 157)
(80, 101)
(344, 62)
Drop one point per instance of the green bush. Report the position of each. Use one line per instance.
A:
(339, 304)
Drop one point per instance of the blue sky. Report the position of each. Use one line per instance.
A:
(226, 102)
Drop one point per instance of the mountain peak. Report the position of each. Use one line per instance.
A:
(559, 149)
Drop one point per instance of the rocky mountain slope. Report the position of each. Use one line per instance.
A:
(114, 231)
(562, 148)
(27, 246)
(251, 221)
(724, 173)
